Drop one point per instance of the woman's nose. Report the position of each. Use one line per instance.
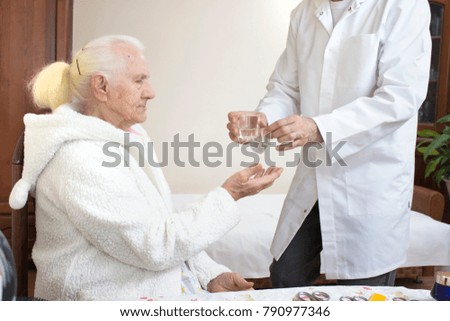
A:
(148, 92)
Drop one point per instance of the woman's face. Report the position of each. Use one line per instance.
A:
(130, 91)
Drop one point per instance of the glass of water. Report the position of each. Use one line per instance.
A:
(248, 128)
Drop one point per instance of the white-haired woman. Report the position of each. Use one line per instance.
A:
(110, 232)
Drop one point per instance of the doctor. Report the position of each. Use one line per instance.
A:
(354, 73)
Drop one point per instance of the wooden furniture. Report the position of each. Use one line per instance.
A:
(23, 231)
(32, 34)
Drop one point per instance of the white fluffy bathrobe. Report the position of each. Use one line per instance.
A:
(110, 232)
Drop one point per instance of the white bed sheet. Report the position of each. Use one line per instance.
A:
(245, 249)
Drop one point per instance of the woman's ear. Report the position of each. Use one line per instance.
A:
(100, 87)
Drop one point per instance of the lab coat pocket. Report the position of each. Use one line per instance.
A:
(371, 189)
(358, 58)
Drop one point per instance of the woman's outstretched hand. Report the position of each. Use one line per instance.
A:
(251, 181)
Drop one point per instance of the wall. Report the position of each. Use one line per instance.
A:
(206, 58)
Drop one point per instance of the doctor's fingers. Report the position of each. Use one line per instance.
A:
(233, 137)
(233, 132)
(282, 123)
(288, 133)
(232, 127)
(234, 115)
(291, 145)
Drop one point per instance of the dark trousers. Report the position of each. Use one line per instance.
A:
(299, 265)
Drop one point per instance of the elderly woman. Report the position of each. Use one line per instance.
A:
(111, 232)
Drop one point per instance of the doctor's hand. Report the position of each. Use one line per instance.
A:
(229, 282)
(251, 181)
(294, 131)
(235, 118)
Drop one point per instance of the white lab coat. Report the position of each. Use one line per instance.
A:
(363, 82)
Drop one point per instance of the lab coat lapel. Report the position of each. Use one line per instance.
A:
(323, 14)
(352, 9)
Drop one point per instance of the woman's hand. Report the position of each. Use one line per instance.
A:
(229, 281)
(251, 181)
